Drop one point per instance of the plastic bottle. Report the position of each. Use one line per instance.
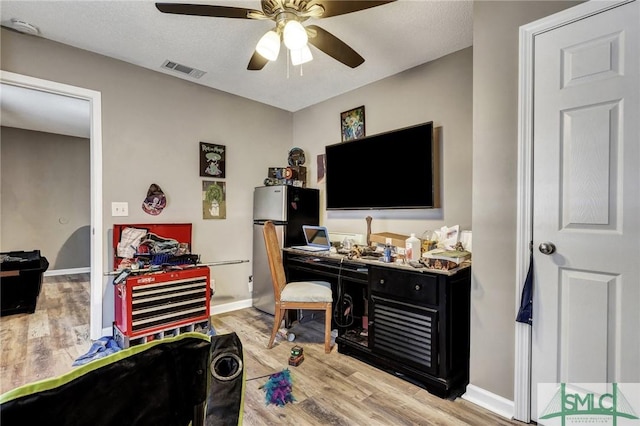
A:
(387, 254)
(412, 248)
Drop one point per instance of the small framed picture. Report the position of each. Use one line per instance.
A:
(214, 200)
(321, 166)
(212, 160)
(352, 124)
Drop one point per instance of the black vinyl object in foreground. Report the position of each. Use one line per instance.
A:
(163, 382)
(226, 369)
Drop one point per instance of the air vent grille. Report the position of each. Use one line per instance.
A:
(407, 333)
(183, 69)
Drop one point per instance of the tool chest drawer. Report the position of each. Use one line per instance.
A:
(154, 302)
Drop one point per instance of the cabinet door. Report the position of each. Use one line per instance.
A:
(406, 333)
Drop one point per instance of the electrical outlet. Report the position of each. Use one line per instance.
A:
(250, 283)
(119, 209)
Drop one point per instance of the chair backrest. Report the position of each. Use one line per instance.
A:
(274, 254)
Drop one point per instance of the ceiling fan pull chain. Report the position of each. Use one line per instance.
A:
(288, 60)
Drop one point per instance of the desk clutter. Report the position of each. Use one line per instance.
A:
(445, 249)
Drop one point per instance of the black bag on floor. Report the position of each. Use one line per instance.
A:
(227, 379)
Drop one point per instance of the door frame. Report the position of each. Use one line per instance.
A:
(95, 108)
(524, 227)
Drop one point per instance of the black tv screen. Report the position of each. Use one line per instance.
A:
(392, 170)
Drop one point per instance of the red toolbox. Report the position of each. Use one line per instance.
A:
(170, 301)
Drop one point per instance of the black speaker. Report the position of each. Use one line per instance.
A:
(226, 369)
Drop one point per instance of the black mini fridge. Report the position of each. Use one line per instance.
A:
(20, 281)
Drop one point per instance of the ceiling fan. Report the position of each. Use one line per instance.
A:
(288, 16)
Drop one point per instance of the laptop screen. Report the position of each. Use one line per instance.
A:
(316, 236)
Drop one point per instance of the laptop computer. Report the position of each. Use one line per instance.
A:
(317, 238)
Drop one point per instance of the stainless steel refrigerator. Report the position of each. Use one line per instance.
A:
(288, 207)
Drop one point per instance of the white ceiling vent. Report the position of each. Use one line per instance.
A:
(183, 69)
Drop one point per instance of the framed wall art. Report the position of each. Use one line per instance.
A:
(212, 160)
(352, 124)
(321, 165)
(214, 200)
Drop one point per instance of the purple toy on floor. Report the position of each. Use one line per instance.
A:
(278, 388)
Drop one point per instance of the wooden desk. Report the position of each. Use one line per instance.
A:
(413, 323)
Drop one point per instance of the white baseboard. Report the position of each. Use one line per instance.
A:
(72, 271)
(492, 402)
(229, 307)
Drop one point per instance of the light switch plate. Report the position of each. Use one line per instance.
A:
(119, 209)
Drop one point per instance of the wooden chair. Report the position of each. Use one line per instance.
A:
(311, 295)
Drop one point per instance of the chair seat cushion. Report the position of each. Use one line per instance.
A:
(307, 291)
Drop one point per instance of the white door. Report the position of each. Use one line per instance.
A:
(586, 201)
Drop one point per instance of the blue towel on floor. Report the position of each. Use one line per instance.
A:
(100, 348)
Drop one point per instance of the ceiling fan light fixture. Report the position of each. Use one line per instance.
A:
(288, 17)
(269, 45)
(301, 56)
(295, 36)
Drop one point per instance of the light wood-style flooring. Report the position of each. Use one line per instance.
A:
(330, 389)
(45, 344)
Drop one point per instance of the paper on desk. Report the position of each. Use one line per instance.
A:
(448, 236)
(465, 239)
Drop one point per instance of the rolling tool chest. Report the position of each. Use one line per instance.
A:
(165, 296)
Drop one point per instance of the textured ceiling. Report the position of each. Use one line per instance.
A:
(392, 38)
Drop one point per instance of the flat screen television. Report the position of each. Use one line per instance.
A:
(391, 170)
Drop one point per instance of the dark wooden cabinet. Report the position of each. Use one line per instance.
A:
(413, 323)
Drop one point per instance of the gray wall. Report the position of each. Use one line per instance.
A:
(45, 196)
(495, 155)
(470, 94)
(439, 91)
(152, 124)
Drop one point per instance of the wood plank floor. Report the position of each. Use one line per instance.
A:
(330, 389)
(45, 344)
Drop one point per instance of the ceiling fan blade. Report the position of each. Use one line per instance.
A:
(206, 10)
(340, 7)
(257, 62)
(334, 47)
